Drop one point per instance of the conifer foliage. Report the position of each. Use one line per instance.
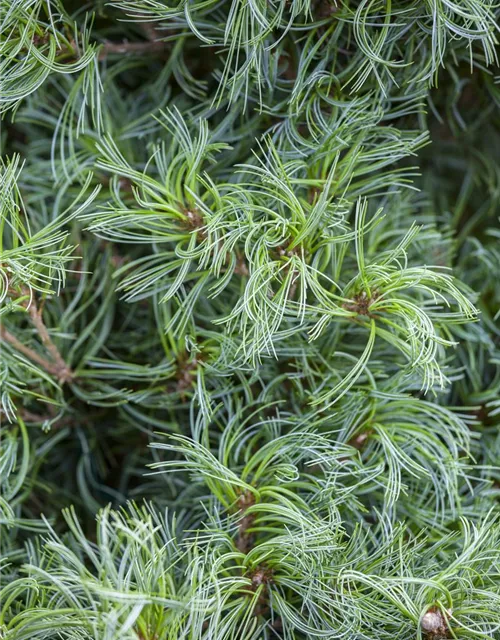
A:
(249, 307)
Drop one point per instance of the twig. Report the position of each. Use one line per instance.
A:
(61, 371)
(245, 539)
(150, 46)
(58, 368)
(35, 418)
(64, 372)
(32, 355)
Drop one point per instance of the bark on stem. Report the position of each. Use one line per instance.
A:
(149, 46)
(64, 373)
(58, 367)
(32, 355)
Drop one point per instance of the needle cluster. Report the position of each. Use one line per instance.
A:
(249, 320)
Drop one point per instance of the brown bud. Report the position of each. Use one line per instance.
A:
(434, 624)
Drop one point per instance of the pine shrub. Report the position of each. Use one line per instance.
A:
(250, 303)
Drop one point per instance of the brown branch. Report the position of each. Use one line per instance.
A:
(64, 372)
(358, 441)
(141, 48)
(72, 50)
(245, 539)
(186, 376)
(260, 576)
(241, 267)
(58, 368)
(34, 418)
(32, 355)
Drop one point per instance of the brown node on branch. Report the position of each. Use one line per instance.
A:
(483, 416)
(360, 303)
(288, 251)
(40, 39)
(261, 575)
(358, 441)
(71, 52)
(434, 624)
(194, 221)
(194, 217)
(313, 193)
(283, 251)
(141, 636)
(125, 184)
(186, 375)
(324, 9)
(241, 267)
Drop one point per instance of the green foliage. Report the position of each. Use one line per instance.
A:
(249, 320)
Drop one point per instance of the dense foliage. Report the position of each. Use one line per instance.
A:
(250, 303)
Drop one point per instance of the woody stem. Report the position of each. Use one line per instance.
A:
(58, 368)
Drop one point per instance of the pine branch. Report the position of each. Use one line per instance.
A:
(278, 334)
(62, 369)
(56, 364)
(32, 355)
(132, 48)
